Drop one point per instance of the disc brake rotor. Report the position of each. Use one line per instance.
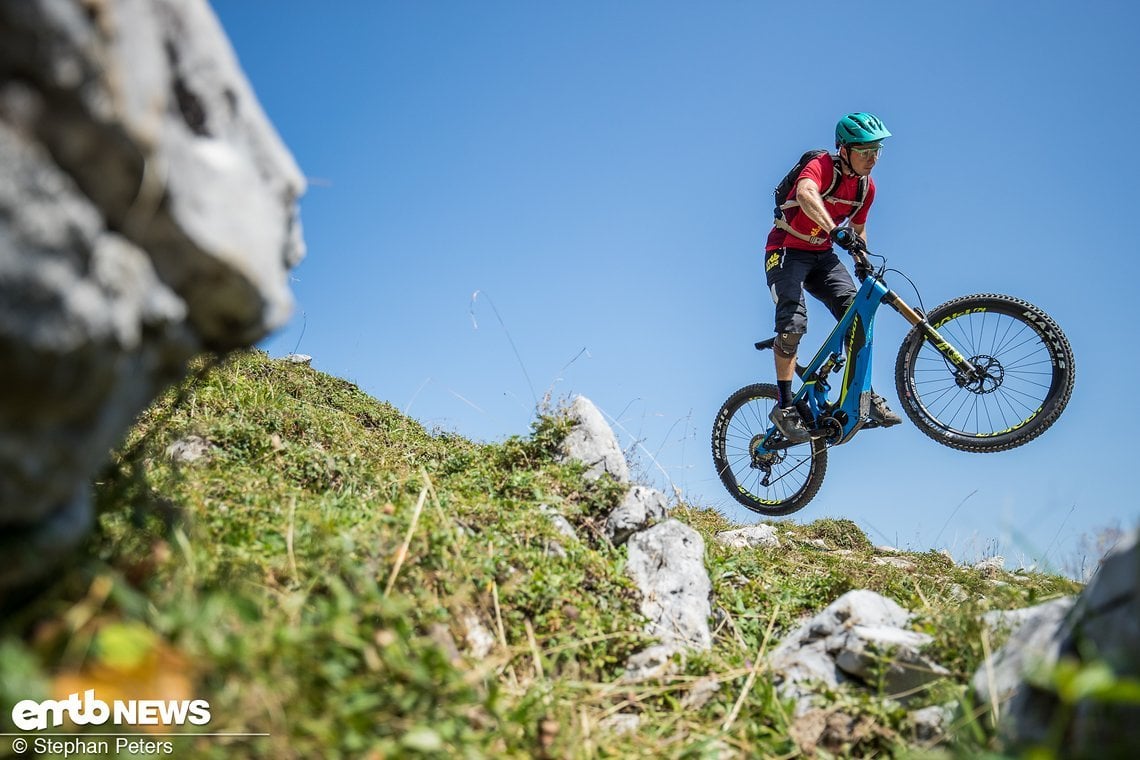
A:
(987, 378)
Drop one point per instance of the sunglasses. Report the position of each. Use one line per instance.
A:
(868, 151)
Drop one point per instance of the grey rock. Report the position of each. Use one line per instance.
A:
(480, 641)
(931, 723)
(654, 662)
(1049, 614)
(1035, 642)
(991, 566)
(560, 523)
(699, 694)
(666, 562)
(901, 563)
(1105, 623)
(843, 640)
(1107, 613)
(148, 211)
(303, 359)
(143, 103)
(641, 508)
(563, 526)
(592, 442)
(621, 723)
(886, 657)
(188, 449)
(752, 536)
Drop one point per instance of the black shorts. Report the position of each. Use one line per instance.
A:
(790, 272)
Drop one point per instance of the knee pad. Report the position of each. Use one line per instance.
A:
(787, 343)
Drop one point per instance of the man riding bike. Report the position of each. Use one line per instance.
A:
(799, 256)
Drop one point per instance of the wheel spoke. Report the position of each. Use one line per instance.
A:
(1018, 371)
(793, 474)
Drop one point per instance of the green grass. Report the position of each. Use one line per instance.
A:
(310, 578)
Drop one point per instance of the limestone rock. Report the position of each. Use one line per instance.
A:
(148, 211)
(843, 641)
(188, 449)
(752, 536)
(592, 442)
(667, 563)
(641, 508)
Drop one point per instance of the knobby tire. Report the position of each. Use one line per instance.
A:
(1028, 385)
(797, 472)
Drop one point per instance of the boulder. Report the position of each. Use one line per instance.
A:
(666, 562)
(592, 442)
(148, 211)
(1097, 630)
(641, 508)
(862, 636)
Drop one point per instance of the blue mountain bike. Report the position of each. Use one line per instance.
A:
(979, 373)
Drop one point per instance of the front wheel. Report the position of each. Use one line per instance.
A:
(1024, 374)
(773, 483)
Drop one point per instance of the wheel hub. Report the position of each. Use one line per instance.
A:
(762, 458)
(987, 378)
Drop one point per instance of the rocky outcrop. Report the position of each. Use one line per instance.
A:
(1096, 633)
(641, 508)
(667, 562)
(148, 211)
(666, 557)
(861, 636)
(592, 442)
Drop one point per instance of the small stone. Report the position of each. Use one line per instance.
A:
(188, 449)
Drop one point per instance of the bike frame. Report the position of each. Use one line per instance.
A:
(848, 349)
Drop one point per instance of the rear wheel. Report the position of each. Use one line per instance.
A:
(776, 482)
(1025, 374)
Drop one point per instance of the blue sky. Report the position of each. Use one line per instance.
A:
(600, 173)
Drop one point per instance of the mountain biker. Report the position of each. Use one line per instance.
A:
(799, 255)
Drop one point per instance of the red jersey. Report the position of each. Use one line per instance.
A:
(820, 170)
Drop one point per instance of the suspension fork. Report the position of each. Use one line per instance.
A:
(919, 320)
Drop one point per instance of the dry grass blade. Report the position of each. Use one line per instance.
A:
(289, 540)
(402, 552)
(990, 680)
(752, 673)
(534, 649)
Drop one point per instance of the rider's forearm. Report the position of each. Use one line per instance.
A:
(811, 203)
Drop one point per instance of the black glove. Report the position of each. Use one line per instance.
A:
(862, 269)
(847, 239)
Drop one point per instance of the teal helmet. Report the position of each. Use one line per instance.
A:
(855, 128)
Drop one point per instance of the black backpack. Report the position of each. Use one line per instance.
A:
(784, 189)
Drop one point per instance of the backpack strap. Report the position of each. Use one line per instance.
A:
(836, 177)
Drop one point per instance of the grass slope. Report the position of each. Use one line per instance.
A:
(313, 576)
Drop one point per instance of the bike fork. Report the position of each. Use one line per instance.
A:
(916, 318)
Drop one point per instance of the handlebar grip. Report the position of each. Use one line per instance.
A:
(847, 239)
